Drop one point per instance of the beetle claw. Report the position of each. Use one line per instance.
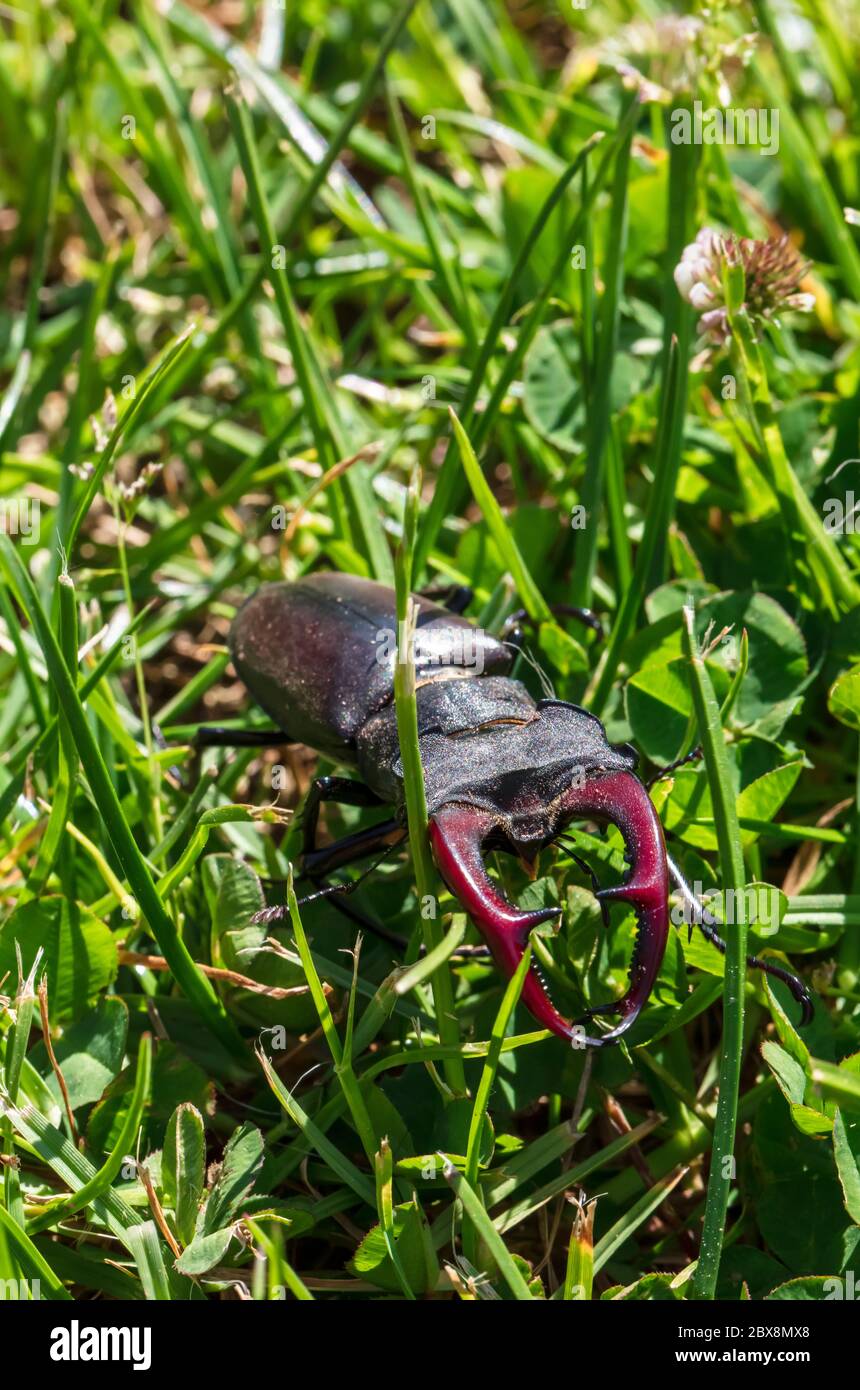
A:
(620, 798)
(610, 1008)
(623, 892)
(458, 832)
(457, 835)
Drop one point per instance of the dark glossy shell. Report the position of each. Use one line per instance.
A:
(319, 655)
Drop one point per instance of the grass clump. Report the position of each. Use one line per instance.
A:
(394, 291)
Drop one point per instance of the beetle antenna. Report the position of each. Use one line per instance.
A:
(667, 771)
(527, 656)
(707, 924)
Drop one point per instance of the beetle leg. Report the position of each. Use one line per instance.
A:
(798, 989)
(512, 628)
(217, 736)
(221, 736)
(319, 863)
(707, 924)
(338, 789)
(330, 890)
(455, 597)
(359, 917)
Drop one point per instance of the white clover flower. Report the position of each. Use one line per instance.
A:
(772, 270)
(701, 296)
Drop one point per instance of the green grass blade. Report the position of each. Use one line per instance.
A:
(413, 785)
(599, 406)
(732, 878)
(444, 494)
(632, 1219)
(384, 1171)
(342, 1166)
(98, 1185)
(188, 977)
(159, 368)
(474, 1209)
(579, 1272)
(526, 587)
(32, 1261)
(633, 596)
(513, 989)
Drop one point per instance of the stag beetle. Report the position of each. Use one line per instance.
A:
(502, 771)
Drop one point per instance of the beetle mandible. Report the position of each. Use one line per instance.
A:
(502, 771)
